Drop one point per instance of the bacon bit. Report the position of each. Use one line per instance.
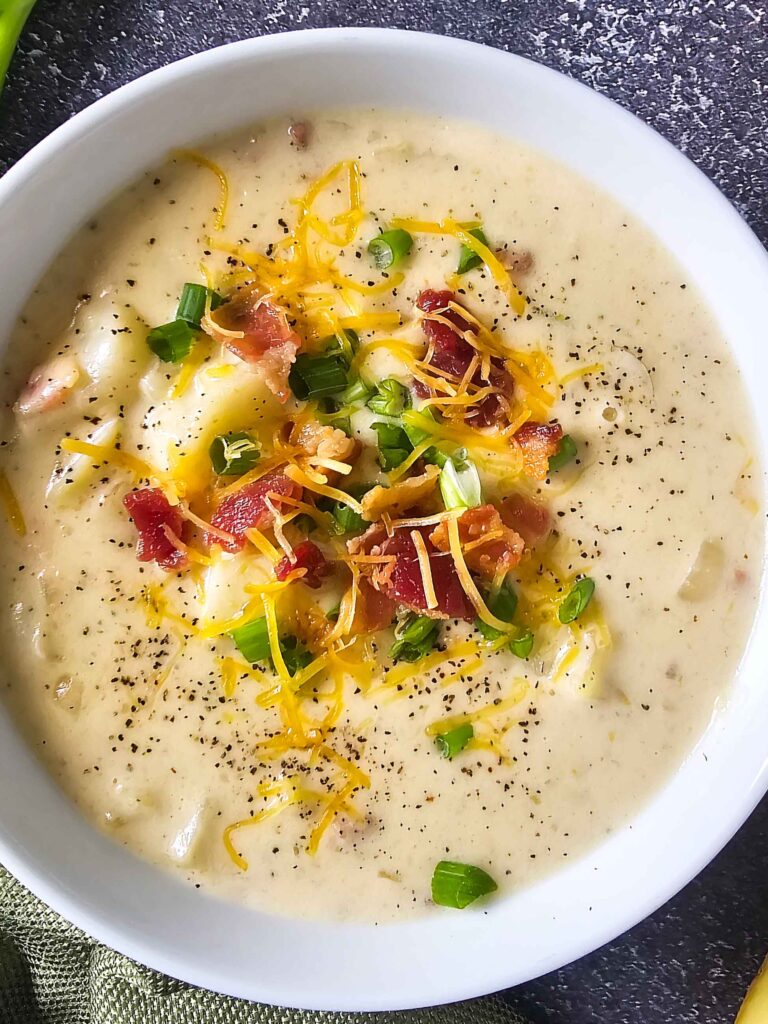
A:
(299, 134)
(400, 496)
(256, 329)
(154, 518)
(374, 610)
(315, 439)
(538, 442)
(310, 558)
(401, 580)
(48, 385)
(248, 508)
(451, 353)
(518, 261)
(490, 548)
(527, 517)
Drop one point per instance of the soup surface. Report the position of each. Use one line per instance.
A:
(233, 703)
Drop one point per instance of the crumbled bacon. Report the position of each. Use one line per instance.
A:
(324, 441)
(256, 329)
(48, 385)
(154, 517)
(248, 508)
(373, 610)
(527, 517)
(309, 557)
(453, 354)
(538, 443)
(399, 573)
(500, 552)
(517, 261)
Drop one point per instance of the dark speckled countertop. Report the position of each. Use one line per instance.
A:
(697, 72)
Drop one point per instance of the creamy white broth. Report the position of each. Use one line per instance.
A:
(134, 721)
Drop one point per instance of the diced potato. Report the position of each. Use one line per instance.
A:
(187, 843)
(75, 472)
(113, 349)
(705, 574)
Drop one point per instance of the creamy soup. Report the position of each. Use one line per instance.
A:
(300, 659)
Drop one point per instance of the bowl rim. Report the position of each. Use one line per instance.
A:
(487, 976)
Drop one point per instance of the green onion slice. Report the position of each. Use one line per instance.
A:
(344, 343)
(233, 454)
(577, 600)
(564, 454)
(394, 446)
(457, 885)
(315, 376)
(295, 655)
(192, 303)
(252, 640)
(390, 248)
(357, 393)
(460, 488)
(172, 342)
(522, 645)
(391, 398)
(468, 260)
(346, 520)
(503, 605)
(453, 742)
(415, 638)
(416, 434)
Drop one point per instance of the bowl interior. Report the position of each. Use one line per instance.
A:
(148, 914)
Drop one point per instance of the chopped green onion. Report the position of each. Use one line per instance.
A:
(522, 645)
(233, 454)
(414, 638)
(357, 393)
(172, 342)
(346, 520)
(468, 259)
(394, 446)
(502, 604)
(416, 435)
(304, 523)
(345, 344)
(390, 248)
(564, 454)
(460, 488)
(453, 742)
(295, 655)
(391, 398)
(192, 303)
(252, 640)
(316, 376)
(577, 600)
(457, 885)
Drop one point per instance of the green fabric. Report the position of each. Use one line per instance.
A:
(52, 973)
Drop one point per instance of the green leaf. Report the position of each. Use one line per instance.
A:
(13, 14)
(564, 454)
(468, 259)
(453, 742)
(577, 600)
(457, 885)
(415, 638)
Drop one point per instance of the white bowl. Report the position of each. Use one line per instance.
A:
(147, 913)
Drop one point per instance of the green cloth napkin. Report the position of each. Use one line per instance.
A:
(52, 973)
